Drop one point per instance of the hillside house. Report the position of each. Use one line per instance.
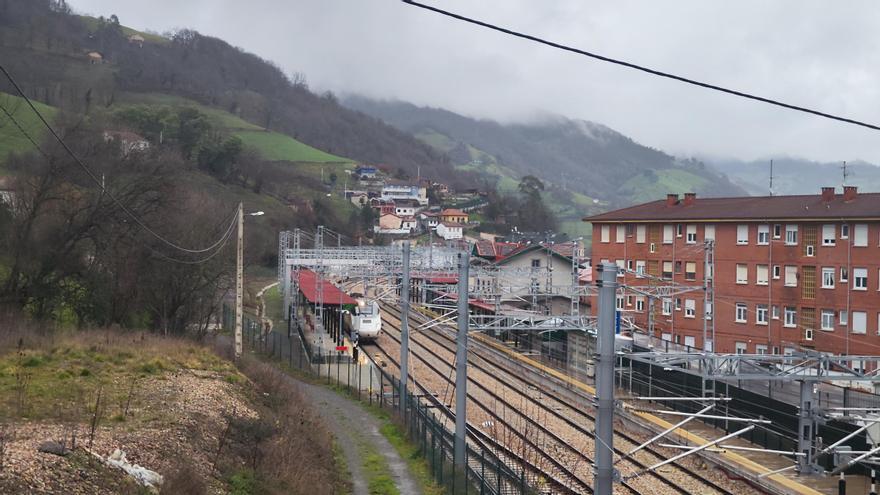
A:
(406, 208)
(136, 39)
(7, 193)
(358, 198)
(95, 58)
(396, 190)
(129, 142)
(453, 215)
(367, 173)
(450, 231)
(382, 207)
(429, 219)
(393, 224)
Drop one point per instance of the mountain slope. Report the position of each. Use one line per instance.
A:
(47, 49)
(588, 157)
(797, 176)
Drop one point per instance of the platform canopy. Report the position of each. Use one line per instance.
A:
(309, 285)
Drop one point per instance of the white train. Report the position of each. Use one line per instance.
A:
(365, 323)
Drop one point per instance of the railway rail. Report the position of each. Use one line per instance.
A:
(676, 478)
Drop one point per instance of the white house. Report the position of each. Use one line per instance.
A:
(449, 231)
(409, 223)
(429, 219)
(397, 191)
(390, 223)
(128, 141)
(404, 210)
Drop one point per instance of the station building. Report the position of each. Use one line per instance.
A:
(790, 271)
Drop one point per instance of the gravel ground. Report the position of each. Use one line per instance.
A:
(183, 412)
(523, 418)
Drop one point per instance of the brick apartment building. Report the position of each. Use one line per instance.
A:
(789, 270)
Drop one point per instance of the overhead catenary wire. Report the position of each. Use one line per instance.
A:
(96, 179)
(642, 68)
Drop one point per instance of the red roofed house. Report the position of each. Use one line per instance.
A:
(788, 271)
(453, 215)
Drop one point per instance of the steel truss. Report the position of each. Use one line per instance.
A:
(807, 368)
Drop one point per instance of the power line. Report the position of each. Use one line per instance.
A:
(92, 175)
(641, 68)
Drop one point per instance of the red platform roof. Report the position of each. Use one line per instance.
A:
(308, 285)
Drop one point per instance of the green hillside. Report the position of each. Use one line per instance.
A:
(269, 144)
(11, 139)
(655, 184)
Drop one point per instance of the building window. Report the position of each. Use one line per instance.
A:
(777, 231)
(860, 322)
(640, 303)
(629, 300)
(741, 347)
(843, 317)
(860, 239)
(690, 341)
(860, 279)
(620, 234)
(666, 306)
(690, 270)
(763, 235)
(827, 277)
(629, 265)
(640, 234)
(777, 272)
(667, 234)
(761, 314)
(762, 275)
(791, 235)
(828, 238)
(790, 317)
(844, 274)
(742, 273)
(678, 304)
(742, 234)
(678, 267)
(605, 232)
(690, 308)
(827, 322)
(774, 312)
(790, 276)
(619, 301)
(760, 349)
(667, 269)
(709, 233)
(741, 313)
(666, 336)
(844, 231)
(678, 230)
(621, 267)
(640, 268)
(708, 310)
(691, 234)
(536, 263)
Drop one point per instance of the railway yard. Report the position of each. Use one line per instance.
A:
(535, 419)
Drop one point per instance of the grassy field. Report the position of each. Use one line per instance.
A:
(11, 139)
(92, 24)
(269, 144)
(668, 181)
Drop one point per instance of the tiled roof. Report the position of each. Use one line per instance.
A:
(807, 207)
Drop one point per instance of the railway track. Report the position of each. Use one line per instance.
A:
(676, 478)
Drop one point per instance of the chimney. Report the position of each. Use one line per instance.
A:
(850, 193)
(671, 199)
(827, 194)
(689, 198)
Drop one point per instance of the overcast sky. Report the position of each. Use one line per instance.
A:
(816, 53)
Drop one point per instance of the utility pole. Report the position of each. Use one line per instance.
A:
(404, 329)
(239, 281)
(461, 363)
(607, 285)
(771, 177)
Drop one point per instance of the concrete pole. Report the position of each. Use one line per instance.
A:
(461, 362)
(404, 328)
(607, 285)
(806, 429)
(239, 281)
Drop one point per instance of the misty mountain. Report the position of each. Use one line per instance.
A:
(586, 157)
(797, 175)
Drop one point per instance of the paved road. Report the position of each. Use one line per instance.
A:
(356, 430)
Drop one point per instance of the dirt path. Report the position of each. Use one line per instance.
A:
(357, 432)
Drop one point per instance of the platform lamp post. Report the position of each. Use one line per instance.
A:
(239, 278)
